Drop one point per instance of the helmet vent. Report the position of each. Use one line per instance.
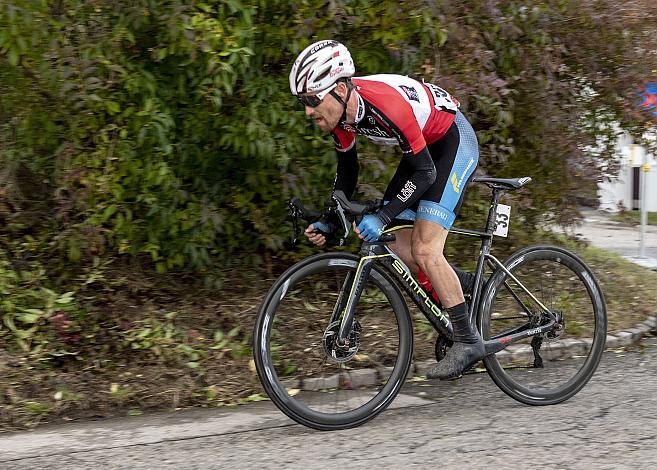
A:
(323, 74)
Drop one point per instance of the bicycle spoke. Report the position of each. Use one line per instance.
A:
(555, 364)
(308, 356)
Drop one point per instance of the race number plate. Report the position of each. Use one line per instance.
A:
(502, 218)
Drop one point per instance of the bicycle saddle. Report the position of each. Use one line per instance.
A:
(502, 183)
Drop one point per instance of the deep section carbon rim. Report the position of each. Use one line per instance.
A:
(550, 367)
(307, 373)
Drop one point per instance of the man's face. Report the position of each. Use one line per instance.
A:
(327, 114)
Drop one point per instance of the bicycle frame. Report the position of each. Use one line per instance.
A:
(381, 254)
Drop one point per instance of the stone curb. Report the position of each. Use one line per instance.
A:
(365, 377)
(649, 263)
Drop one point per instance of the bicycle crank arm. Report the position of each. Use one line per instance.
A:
(499, 343)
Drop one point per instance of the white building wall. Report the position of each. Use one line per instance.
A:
(618, 192)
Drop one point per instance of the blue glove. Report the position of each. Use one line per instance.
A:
(371, 228)
(328, 229)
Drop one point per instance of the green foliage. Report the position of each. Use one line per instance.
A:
(167, 341)
(40, 321)
(36, 408)
(165, 130)
(633, 217)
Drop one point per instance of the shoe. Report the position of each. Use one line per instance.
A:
(459, 358)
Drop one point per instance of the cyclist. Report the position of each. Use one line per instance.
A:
(439, 156)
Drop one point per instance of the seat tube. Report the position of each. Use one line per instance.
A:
(485, 249)
(479, 274)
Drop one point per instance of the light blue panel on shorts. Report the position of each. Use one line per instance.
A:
(467, 156)
(434, 212)
(407, 214)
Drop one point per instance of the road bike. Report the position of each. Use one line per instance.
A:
(333, 340)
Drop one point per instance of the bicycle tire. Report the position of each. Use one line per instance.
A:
(267, 356)
(575, 295)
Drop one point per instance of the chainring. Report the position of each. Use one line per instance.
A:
(442, 345)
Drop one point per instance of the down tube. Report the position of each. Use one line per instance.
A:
(429, 309)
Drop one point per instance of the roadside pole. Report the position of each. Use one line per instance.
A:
(642, 206)
(648, 100)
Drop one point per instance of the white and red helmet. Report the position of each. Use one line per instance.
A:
(319, 66)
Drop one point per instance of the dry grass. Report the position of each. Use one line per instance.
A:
(129, 382)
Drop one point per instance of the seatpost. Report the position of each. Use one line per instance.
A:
(490, 224)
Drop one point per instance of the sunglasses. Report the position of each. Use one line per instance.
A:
(315, 100)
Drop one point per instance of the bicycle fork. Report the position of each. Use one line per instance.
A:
(349, 296)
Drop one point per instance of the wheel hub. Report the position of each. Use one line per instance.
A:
(341, 352)
(541, 318)
(559, 326)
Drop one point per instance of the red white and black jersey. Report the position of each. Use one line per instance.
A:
(394, 109)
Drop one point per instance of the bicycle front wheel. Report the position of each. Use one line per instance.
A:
(550, 367)
(306, 373)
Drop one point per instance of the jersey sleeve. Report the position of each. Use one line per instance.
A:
(344, 140)
(346, 175)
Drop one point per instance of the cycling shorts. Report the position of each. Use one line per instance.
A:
(456, 156)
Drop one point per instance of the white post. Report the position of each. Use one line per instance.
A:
(643, 204)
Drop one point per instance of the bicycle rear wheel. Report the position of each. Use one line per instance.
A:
(551, 367)
(305, 372)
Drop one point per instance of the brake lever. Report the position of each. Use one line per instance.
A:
(294, 213)
(343, 220)
(358, 207)
(336, 206)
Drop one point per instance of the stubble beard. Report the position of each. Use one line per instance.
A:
(327, 125)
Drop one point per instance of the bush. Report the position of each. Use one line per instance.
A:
(166, 130)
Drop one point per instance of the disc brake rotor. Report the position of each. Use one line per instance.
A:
(341, 353)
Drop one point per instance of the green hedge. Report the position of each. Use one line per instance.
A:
(167, 128)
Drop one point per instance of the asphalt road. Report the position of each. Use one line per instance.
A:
(468, 423)
(598, 228)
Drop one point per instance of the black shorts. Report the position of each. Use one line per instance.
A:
(455, 156)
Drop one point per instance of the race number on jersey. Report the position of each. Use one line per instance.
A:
(443, 100)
